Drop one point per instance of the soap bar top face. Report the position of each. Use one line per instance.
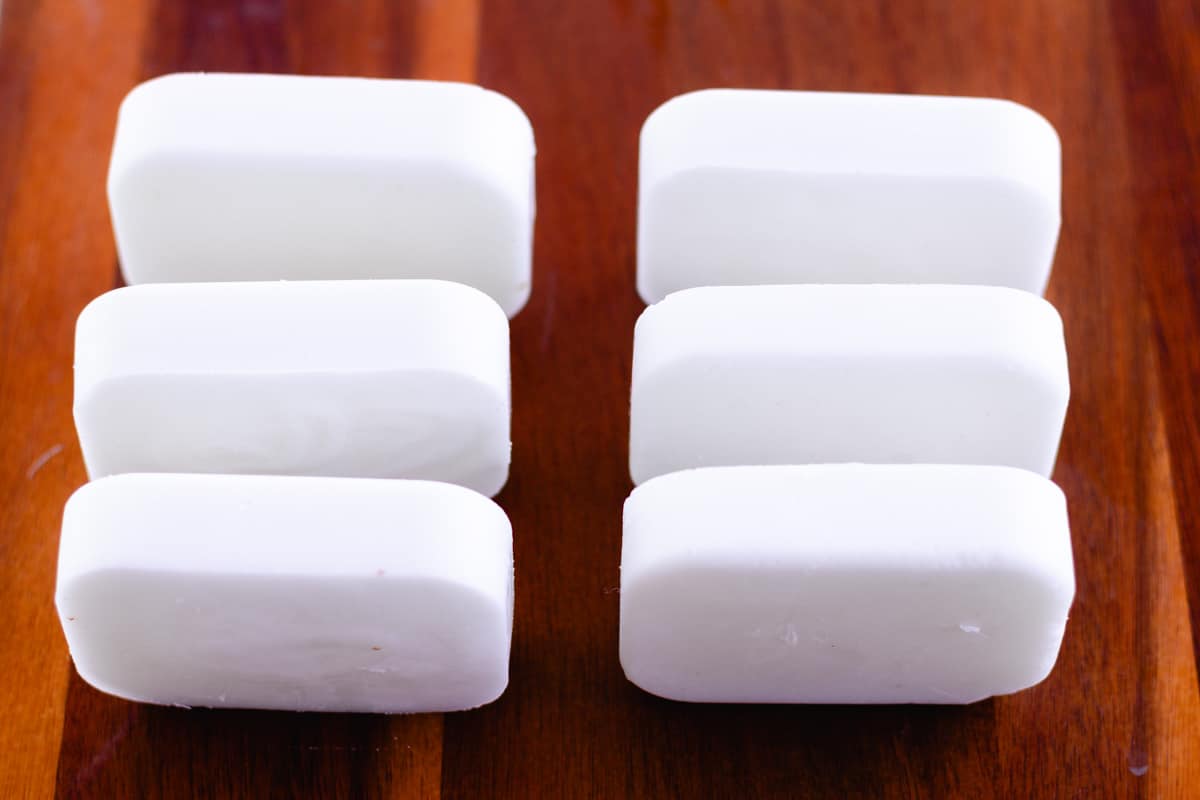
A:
(387, 379)
(307, 594)
(221, 177)
(828, 374)
(844, 583)
(765, 187)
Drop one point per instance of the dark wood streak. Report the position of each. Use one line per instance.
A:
(15, 65)
(1164, 124)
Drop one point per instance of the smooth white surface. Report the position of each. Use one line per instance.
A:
(309, 594)
(761, 187)
(387, 379)
(844, 584)
(824, 374)
(220, 177)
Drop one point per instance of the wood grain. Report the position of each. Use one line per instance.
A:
(1120, 715)
(56, 253)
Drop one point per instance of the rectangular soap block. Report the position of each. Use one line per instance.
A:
(820, 373)
(227, 177)
(385, 379)
(772, 187)
(844, 583)
(305, 594)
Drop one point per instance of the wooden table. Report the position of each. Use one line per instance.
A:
(1120, 715)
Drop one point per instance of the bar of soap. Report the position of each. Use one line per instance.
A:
(224, 177)
(384, 379)
(844, 583)
(766, 187)
(305, 594)
(824, 374)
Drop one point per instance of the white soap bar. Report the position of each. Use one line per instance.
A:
(760, 187)
(262, 177)
(308, 594)
(844, 583)
(824, 374)
(387, 379)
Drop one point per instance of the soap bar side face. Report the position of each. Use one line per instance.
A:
(287, 593)
(251, 177)
(286, 644)
(721, 227)
(844, 584)
(397, 379)
(425, 425)
(828, 374)
(741, 187)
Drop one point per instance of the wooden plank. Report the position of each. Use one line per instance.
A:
(114, 750)
(56, 253)
(1162, 115)
(1114, 718)
(447, 40)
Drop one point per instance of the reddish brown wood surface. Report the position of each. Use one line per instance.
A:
(1119, 717)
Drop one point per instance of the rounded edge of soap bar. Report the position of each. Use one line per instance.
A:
(157, 122)
(118, 530)
(682, 524)
(1012, 145)
(695, 119)
(111, 325)
(1017, 332)
(686, 318)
